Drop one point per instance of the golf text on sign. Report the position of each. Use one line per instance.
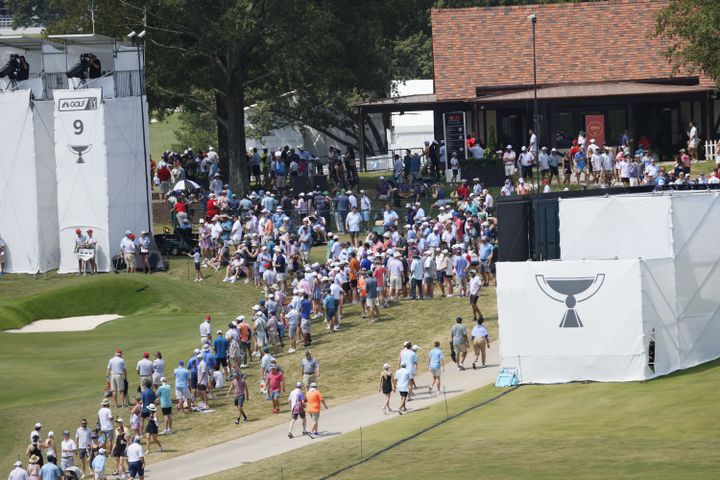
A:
(78, 115)
(75, 104)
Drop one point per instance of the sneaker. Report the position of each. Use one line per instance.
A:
(226, 279)
(232, 280)
(244, 365)
(474, 367)
(290, 435)
(237, 421)
(305, 432)
(291, 350)
(161, 448)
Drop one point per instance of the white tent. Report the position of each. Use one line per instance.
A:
(101, 171)
(662, 284)
(28, 203)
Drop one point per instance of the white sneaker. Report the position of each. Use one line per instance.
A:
(232, 280)
(291, 350)
(226, 279)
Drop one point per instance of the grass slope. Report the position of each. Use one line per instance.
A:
(57, 378)
(162, 135)
(666, 428)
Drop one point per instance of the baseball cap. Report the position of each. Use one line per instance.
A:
(298, 384)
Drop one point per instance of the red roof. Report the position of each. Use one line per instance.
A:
(576, 43)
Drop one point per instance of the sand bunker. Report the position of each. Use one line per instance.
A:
(69, 324)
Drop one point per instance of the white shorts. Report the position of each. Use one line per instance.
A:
(509, 170)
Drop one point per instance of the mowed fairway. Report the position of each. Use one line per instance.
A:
(57, 378)
(666, 428)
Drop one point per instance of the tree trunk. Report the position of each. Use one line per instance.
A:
(222, 146)
(239, 171)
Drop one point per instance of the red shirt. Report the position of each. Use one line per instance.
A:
(163, 174)
(244, 331)
(180, 207)
(274, 381)
(462, 191)
(379, 274)
(212, 208)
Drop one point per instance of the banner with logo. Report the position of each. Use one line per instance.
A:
(82, 171)
(595, 129)
(572, 320)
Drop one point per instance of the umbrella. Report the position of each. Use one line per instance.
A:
(187, 185)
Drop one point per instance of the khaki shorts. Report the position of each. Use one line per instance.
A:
(395, 281)
(462, 348)
(130, 259)
(308, 378)
(435, 372)
(372, 302)
(117, 382)
(315, 415)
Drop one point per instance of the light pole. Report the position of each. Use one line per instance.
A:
(138, 40)
(536, 129)
(539, 254)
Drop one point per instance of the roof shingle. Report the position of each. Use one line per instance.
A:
(600, 41)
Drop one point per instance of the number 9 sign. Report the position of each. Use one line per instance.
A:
(78, 127)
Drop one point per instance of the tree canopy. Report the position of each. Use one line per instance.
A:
(691, 28)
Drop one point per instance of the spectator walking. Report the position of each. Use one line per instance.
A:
(314, 399)
(460, 342)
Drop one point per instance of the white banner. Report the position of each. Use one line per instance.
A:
(620, 226)
(86, 253)
(82, 177)
(569, 321)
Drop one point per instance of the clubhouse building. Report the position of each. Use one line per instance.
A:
(600, 69)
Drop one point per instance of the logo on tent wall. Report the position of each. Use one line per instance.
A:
(570, 291)
(79, 150)
(77, 104)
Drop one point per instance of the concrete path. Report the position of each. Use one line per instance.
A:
(338, 419)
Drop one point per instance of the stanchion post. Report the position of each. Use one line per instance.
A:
(447, 412)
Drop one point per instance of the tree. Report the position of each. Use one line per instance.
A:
(691, 28)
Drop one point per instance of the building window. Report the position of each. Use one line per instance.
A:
(616, 124)
(563, 129)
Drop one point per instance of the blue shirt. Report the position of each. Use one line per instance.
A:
(50, 471)
(409, 358)
(485, 250)
(163, 392)
(210, 359)
(192, 363)
(98, 464)
(402, 377)
(182, 375)
(435, 357)
(460, 263)
(147, 396)
(305, 307)
(417, 268)
(220, 345)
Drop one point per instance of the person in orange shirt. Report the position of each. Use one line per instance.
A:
(313, 400)
(362, 292)
(354, 267)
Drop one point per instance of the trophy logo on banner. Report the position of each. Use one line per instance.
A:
(79, 150)
(570, 291)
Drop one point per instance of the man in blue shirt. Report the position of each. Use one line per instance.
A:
(50, 471)
(220, 345)
(163, 393)
(401, 383)
(147, 397)
(192, 366)
(182, 390)
(486, 256)
(436, 365)
(417, 271)
(389, 217)
(460, 264)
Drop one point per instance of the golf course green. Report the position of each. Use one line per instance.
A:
(665, 428)
(58, 378)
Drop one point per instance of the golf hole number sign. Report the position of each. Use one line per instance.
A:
(77, 114)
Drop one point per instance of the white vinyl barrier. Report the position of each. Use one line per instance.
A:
(28, 201)
(659, 262)
(101, 171)
(568, 321)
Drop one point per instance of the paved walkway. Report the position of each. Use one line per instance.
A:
(336, 420)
